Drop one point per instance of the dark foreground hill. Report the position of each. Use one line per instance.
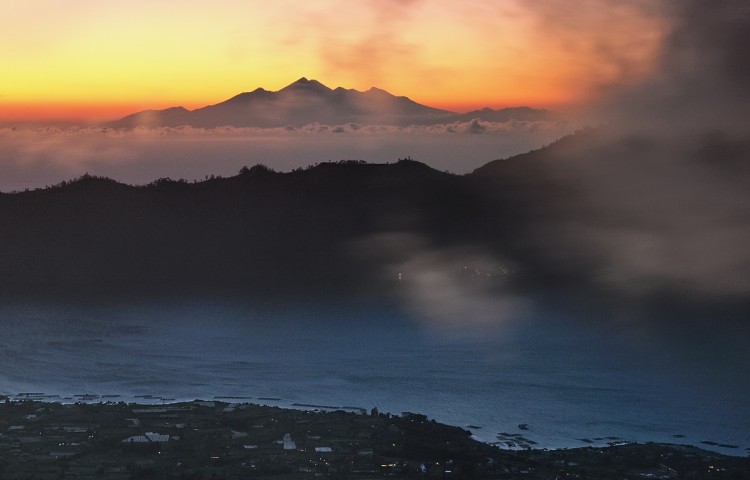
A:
(259, 231)
(590, 216)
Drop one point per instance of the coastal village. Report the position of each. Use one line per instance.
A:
(102, 438)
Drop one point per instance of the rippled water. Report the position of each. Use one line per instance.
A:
(567, 384)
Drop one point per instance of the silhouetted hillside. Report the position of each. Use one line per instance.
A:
(587, 216)
(259, 231)
(645, 221)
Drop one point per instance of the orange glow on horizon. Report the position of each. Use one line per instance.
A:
(549, 101)
(103, 112)
(75, 112)
(92, 112)
(98, 62)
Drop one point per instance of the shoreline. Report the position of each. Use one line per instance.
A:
(521, 440)
(211, 438)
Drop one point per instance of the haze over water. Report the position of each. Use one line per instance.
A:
(572, 385)
(647, 219)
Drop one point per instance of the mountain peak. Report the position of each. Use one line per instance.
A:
(246, 97)
(304, 83)
(308, 101)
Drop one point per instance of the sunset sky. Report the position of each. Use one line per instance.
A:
(99, 60)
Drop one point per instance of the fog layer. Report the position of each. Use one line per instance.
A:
(36, 157)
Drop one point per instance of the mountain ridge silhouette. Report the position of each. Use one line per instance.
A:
(308, 101)
(346, 229)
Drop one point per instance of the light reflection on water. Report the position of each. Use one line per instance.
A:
(566, 384)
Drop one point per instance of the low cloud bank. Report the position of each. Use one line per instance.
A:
(665, 191)
(35, 157)
(461, 290)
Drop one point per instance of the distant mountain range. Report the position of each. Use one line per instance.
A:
(309, 101)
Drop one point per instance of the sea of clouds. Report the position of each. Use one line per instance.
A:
(33, 157)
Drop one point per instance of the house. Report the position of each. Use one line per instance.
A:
(148, 437)
(288, 442)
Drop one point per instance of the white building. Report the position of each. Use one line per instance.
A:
(288, 442)
(149, 437)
